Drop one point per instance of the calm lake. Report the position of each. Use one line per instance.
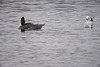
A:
(62, 42)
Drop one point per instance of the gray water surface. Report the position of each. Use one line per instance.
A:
(62, 42)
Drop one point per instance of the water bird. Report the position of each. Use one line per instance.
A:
(29, 26)
(89, 22)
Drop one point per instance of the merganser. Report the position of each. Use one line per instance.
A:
(89, 22)
(29, 26)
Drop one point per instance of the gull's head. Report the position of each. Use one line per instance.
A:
(87, 17)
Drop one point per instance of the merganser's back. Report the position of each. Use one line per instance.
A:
(29, 26)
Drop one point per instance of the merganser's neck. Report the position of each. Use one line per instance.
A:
(22, 21)
(87, 20)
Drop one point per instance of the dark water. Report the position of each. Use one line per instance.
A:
(62, 42)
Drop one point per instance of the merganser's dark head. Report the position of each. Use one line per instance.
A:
(92, 19)
(22, 21)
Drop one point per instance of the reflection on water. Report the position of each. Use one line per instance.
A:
(62, 42)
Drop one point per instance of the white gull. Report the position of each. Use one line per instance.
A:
(88, 22)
